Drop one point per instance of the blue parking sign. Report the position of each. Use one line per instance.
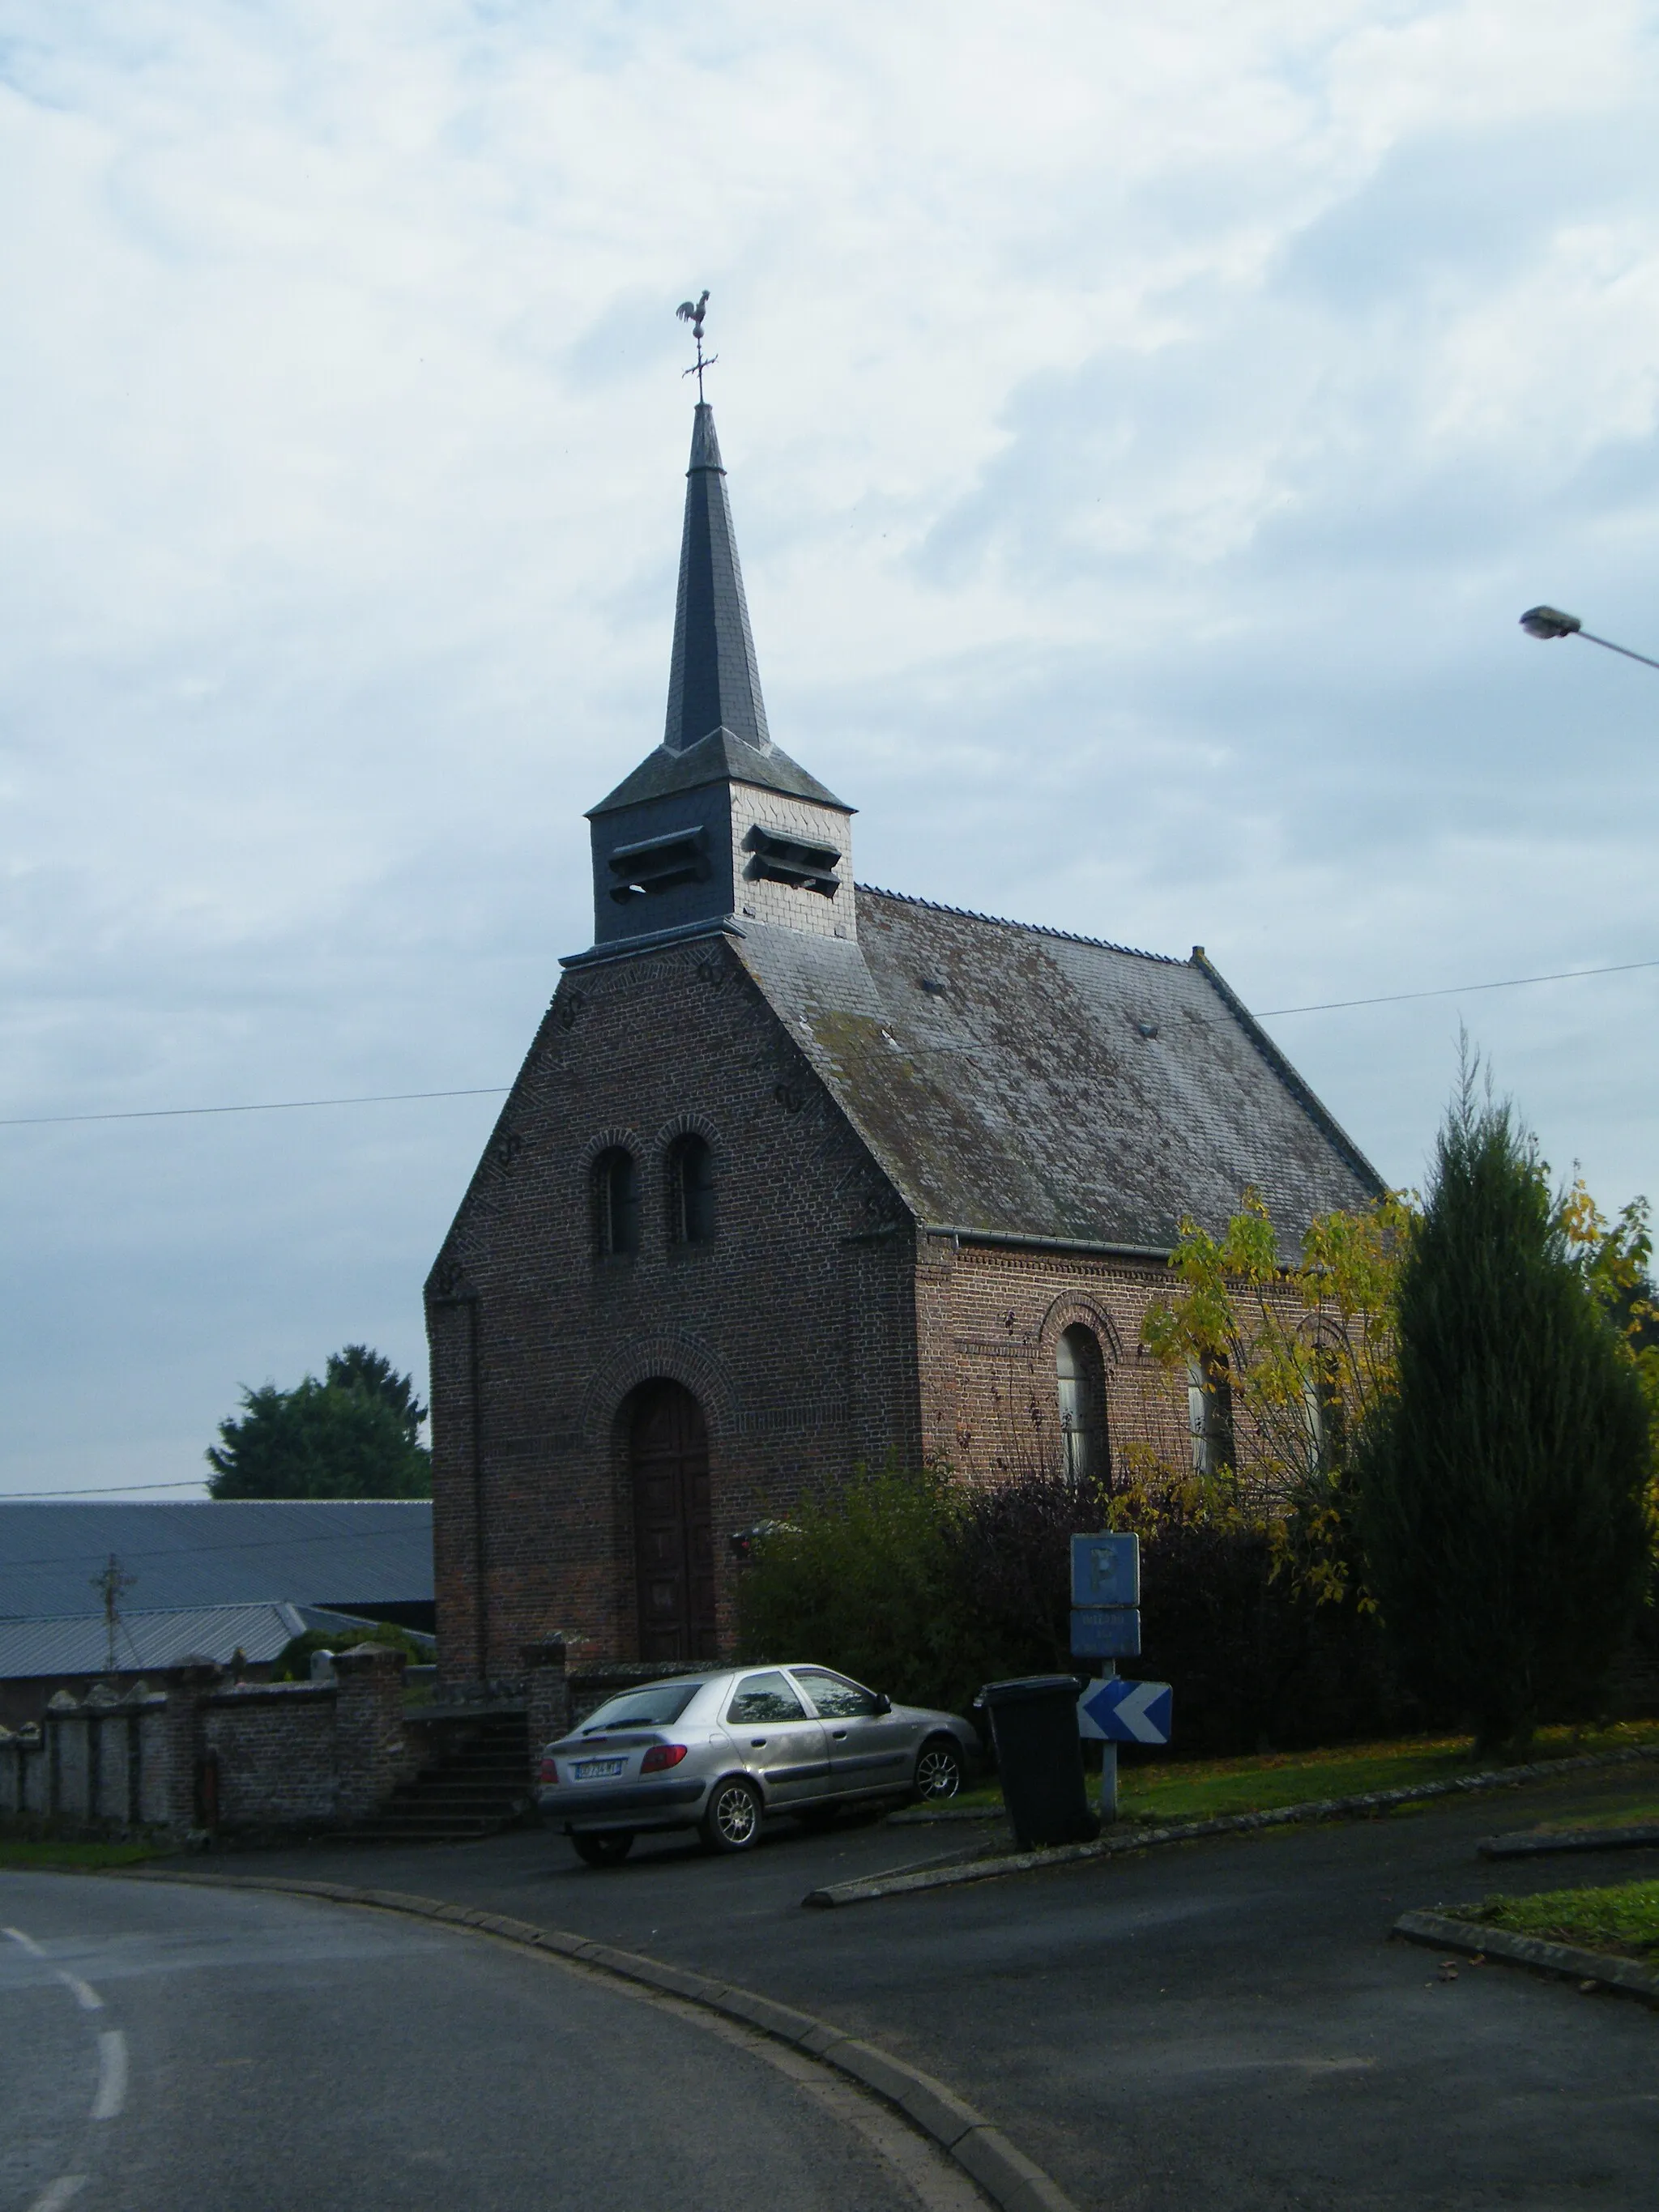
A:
(1106, 1631)
(1105, 1570)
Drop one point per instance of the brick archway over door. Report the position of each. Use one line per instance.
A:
(673, 1532)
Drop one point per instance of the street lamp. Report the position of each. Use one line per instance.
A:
(1550, 621)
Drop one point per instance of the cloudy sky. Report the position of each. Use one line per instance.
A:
(1144, 427)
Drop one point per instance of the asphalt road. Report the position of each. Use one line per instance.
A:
(1224, 2024)
(167, 2048)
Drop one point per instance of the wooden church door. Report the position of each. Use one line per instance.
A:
(673, 1532)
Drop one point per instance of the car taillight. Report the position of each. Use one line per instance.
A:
(549, 1770)
(661, 1755)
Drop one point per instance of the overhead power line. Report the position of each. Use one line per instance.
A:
(260, 1106)
(500, 1090)
(1456, 990)
(105, 1490)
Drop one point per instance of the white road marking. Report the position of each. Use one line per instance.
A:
(111, 2075)
(85, 1996)
(28, 1942)
(59, 2193)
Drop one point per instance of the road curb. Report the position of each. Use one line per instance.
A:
(1007, 2177)
(1525, 1846)
(1622, 1976)
(868, 1890)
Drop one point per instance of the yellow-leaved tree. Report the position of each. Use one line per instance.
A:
(1299, 1351)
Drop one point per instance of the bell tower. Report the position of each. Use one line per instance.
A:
(718, 828)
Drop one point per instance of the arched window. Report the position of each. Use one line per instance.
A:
(1080, 1379)
(1210, 1414)
(616, 1201)
(1324, 1411)
(690, 1191)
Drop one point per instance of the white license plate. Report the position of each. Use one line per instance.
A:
(595, 1770)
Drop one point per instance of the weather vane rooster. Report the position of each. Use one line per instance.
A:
(692, 312)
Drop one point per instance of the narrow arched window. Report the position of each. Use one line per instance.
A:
(690, 1191)
(616, 1201)
(1324, 1411)
(1210, 1412)
(1080, 1380)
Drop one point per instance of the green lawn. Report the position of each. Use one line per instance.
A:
(1623, 1919)
(28, 1854)
(1642, 1815)
(1199, 1789)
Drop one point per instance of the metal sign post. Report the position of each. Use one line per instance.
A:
(1106, 1627)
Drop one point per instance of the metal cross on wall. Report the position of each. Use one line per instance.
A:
(692, 312)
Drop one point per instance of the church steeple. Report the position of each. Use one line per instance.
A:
(717, 830)
(713, 681)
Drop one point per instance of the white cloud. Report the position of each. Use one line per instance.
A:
(1144, 428)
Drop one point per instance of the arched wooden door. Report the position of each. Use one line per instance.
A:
(673, 1535)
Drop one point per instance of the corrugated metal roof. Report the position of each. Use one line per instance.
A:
(1024, 1083)
(326, 1552)
(79, 1644)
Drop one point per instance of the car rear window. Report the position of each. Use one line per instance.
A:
(764, 1698)
(657, 1705)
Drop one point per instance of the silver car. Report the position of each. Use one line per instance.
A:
(720, 1752)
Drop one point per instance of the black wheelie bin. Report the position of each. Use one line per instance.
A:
(1040, 1759)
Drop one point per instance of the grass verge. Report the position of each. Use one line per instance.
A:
(1645, 1811)
(34, 1855)
(1623, 1920)
(1201, 1788)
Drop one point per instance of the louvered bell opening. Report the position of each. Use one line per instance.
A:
(790, 860)
(656, 864)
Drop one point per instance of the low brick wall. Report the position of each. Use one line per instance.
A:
(274, 1752)
(268, 1755)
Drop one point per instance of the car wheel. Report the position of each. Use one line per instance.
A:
(609, 1848)
(733, 1821)
(939, 1770)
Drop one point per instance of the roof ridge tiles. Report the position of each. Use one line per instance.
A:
(1035, 928)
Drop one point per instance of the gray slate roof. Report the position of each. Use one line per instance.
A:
(713, 678)
(1052, 1086)
(324, 1551)
(718, 758)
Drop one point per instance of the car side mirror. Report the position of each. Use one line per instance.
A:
(883, 1703)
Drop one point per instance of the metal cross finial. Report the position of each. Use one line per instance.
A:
(692, 312)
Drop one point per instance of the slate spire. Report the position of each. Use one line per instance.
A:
(713, 681)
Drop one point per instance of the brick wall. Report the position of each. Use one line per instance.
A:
(794, 1328)
(276, 1751)
(989, 1321)
(282, 1755)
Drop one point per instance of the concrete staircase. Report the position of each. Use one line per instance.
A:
(482, 1787)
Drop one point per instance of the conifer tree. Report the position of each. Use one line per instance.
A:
(1502, 1488)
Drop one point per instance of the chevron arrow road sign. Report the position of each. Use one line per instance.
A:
(1114, 1712)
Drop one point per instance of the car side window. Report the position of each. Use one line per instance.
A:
(834, 1697)
(763, 1697)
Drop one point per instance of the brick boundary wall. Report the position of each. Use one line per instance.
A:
(268, 1755)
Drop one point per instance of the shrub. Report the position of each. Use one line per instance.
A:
(292, 1662)
(861, 1582)
(928, 1590)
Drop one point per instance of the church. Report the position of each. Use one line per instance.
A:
(799, 1174)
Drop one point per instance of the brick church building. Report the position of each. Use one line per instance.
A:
(798, 1174)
